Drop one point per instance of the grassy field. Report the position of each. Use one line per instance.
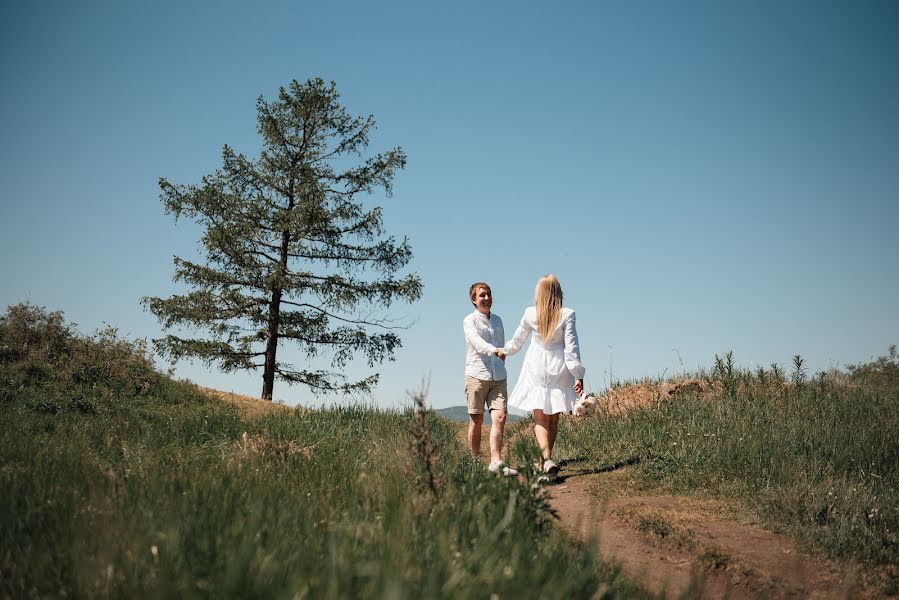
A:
(816, 458)
(118, 482)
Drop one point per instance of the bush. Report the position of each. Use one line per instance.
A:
(46, 364)
(883, 371)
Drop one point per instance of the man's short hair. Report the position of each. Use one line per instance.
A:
(472, 292)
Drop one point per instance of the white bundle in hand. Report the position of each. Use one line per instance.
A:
(585, 405)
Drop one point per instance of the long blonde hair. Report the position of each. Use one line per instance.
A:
(548, 302)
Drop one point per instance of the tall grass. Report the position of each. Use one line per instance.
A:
(164, 492)
(817, 458)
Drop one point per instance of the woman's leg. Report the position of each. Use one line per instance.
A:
(553, 430)
(541, 432)
(497, 423)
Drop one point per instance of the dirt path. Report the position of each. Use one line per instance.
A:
(674, 545)
(678, 546)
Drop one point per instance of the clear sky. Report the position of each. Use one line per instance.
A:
(701, 176)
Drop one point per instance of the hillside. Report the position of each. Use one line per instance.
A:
(119, 482)
(726, 469)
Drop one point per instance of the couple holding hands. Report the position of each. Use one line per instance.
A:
(551, 378)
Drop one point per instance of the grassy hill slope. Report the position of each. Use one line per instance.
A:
(118, 481)
(817, 458)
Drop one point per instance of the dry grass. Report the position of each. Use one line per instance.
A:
(622, 400)
(250, 407)
(261, 446)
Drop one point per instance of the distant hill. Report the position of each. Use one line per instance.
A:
(460, 413)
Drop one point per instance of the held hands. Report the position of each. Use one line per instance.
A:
(579, 386)
(500, 354)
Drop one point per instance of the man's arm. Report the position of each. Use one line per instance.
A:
(474, 338)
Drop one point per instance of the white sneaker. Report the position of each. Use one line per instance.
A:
(550, 467)
(497, 465)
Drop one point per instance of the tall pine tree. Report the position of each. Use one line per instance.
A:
(291, 253)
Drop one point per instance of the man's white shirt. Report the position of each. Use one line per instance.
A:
(482, 337)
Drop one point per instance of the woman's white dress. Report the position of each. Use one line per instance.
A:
(550, 368)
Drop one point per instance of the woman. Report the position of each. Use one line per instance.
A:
(552, 375)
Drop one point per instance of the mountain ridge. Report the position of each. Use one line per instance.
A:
(460, 414)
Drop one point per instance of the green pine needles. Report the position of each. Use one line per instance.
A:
(291, 252)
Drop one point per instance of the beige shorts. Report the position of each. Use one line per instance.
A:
(481, 393)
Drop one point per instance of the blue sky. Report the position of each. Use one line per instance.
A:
(701, 176)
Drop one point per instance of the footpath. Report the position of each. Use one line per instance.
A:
(685, 547)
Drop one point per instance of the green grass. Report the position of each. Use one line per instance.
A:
(116, 481)
(148, 499)
(133, 485)
(816, 459)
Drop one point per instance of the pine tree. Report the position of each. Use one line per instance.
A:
(291, 253)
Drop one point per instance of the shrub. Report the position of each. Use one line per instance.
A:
(880, 371)
(46, 364)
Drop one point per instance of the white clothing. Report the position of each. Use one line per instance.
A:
(550, 368)
(482, 338)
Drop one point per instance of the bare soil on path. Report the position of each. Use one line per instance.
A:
(686, 547)
(679, 546)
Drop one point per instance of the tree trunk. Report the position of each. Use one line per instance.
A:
(271, 345)
(274, 318)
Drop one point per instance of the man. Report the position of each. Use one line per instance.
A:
(485, 375)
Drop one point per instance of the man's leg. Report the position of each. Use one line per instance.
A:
(474, 433)
(498, 423)
(498, 403)
(475, 395)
